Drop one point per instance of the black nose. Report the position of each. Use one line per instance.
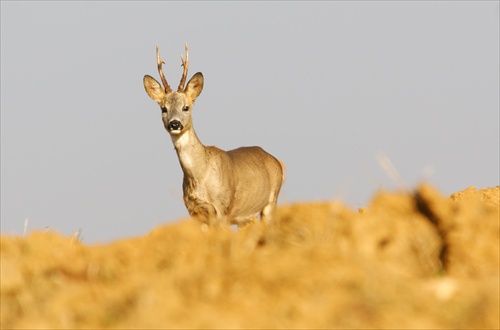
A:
(174, 125)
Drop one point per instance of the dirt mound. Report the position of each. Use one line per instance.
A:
(408, 260)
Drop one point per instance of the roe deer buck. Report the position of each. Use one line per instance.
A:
(220, 187)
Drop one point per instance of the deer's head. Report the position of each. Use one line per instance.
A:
(175, 106)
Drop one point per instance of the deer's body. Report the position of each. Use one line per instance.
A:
(220, 187)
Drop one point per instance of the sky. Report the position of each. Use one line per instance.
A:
(336, 90)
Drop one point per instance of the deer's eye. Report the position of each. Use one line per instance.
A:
(185, 108)
(163, 110)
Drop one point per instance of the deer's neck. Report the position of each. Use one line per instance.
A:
(191, 152)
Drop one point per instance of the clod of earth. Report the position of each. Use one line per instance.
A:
(408, 260)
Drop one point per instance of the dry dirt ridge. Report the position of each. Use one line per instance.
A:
(409, 260)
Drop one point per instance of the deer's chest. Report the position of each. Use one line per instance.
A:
(207, 193)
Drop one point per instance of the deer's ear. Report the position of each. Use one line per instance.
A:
(154, 89)
(194, 86)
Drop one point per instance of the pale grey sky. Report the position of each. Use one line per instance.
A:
(324, 86)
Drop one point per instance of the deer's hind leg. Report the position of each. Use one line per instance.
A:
(268, 213)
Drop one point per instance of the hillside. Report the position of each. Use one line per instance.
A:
(408, 260)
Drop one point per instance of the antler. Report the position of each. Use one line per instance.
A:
(185, 64)
(160, 71)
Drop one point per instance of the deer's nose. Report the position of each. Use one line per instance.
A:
(174, 125)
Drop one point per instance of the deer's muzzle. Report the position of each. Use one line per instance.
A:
(174, 126)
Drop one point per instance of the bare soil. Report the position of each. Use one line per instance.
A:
(408, 260)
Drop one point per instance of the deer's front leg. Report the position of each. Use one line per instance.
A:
(205, 213)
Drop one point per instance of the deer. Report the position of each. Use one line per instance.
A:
(220, 188)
